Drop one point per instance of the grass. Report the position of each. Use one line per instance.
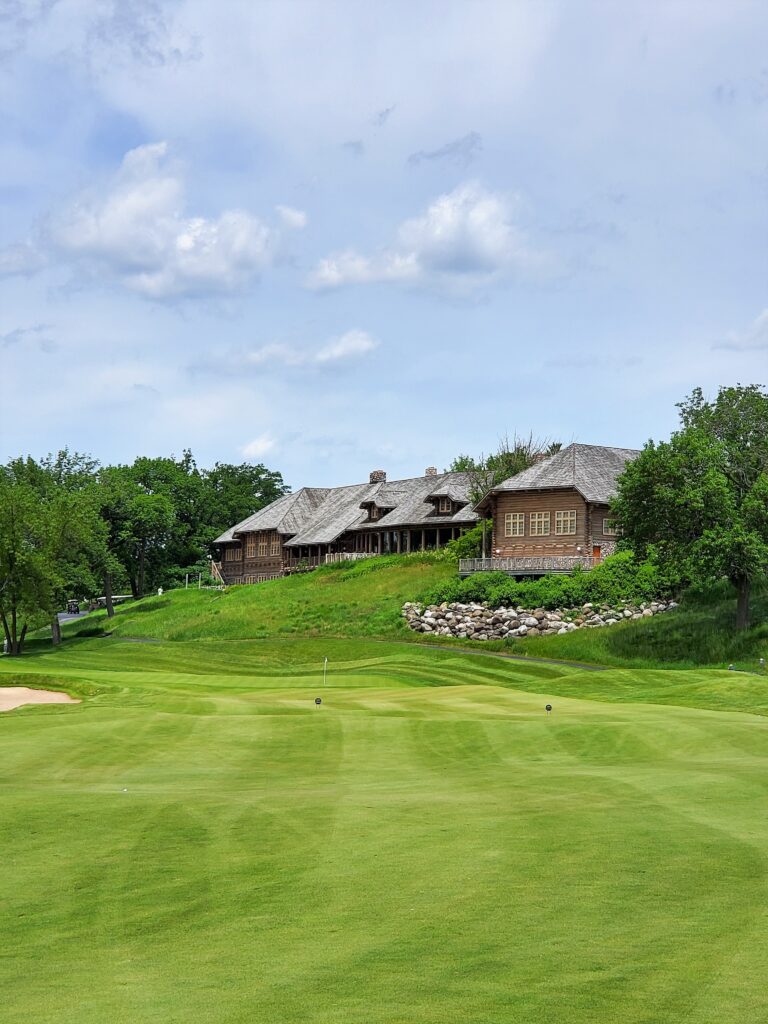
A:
(197, 840)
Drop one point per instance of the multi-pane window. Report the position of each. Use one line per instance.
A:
(250, 545)
(610, 528)
(539, 524)
(565, 522)
(274, 548)
(262, 545)
(232, 553)
(514, 524)
(445, 505)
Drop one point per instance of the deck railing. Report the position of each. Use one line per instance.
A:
(347, 556)
(531, 565)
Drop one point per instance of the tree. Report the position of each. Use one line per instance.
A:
(235, 492)
(50, 532)
(700, 500)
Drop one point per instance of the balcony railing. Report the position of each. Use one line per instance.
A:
(532, 565)
(347, 556)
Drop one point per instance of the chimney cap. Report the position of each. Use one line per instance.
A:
(378, 476)
(430, 471)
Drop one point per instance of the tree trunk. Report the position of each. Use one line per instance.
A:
(141, 572)
(743, 587)
(55, 630)
(7, 632)
(108, 594)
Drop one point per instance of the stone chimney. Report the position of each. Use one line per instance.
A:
(430, 471)
(378, 476)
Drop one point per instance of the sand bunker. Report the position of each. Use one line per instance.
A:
(16, 696)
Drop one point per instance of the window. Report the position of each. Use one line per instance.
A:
(514, 524)
(232, 553)
(374, 512)
(262, 545)
(250, 545)
(565, 522)
(539, 524)
(261, 578)
(610, 528)
(444, 505)
(274, 548)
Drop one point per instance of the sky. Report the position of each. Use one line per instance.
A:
(342, 236)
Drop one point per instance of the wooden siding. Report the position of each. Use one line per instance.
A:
(263, 565)
(551, 501)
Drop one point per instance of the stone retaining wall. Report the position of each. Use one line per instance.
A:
(479, 622)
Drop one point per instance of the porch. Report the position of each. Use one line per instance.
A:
(533, 565)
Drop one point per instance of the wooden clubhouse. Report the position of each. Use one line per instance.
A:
(318, 525)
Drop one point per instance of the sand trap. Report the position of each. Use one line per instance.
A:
(16, 696)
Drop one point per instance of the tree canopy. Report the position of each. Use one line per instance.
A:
(70, 528)
(699, 501)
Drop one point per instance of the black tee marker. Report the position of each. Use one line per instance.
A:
(318, 701)
(548, 709)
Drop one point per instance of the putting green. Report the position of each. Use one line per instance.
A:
(198, 841)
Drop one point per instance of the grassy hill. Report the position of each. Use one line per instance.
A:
(364, 599)
(352, 599)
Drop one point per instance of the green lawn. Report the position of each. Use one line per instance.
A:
(196, 841)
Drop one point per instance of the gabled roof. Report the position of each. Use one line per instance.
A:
(284, 515)
(339, 512)
(416, 508)
(589, 468)
(317, 515)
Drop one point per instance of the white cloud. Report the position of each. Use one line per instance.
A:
(346, 346)
(137, 230)
(755, 337)
(350, 345)
(292, 218)
(259, 446)
(465, 239)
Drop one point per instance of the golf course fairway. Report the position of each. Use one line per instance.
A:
(198, 841)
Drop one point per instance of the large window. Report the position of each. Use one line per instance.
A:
(610, 528)
(514, 524)
(539, 524)
(445, 505)
(565, 522)
(232, 553)
(262, 545)
(274, 548)
(250, 545)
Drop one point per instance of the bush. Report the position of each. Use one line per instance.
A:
(469, 545)
(619, 578)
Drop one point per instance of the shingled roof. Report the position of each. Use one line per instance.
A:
(589, 468)
(284, 515)
(320, 515)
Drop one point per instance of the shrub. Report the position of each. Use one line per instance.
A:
(617, 579)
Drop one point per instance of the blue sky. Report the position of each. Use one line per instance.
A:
(338, 236)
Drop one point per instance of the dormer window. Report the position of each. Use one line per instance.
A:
(444, 505)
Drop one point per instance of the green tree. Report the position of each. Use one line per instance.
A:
(50, 537)
(699, 502)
